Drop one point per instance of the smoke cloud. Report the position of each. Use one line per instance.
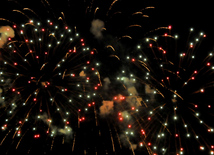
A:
(6, 32)
(106, 83)
(149, 91)
(66, 131)
(106, 108)
(1, 99)
(96, 28)
(82, 74)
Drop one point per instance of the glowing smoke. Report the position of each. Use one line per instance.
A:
(106, 108)
(6, 32)
(82, 74)
(149, 91)
(66, 131)
(106, 83)
(96, 28)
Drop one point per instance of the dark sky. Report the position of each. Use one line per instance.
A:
(181, 14)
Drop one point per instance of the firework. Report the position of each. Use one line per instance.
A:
(166, 105)
(160, 103)
(47, 76)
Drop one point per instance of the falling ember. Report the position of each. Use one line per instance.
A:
(36, 136)
(142, 131)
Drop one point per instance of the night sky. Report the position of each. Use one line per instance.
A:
(135, 87)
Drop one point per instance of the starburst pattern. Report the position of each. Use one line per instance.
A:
(47, 75)
(168, 95)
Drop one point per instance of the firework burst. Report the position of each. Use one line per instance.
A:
(160, 103)
(47, 76)
(167, 96)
